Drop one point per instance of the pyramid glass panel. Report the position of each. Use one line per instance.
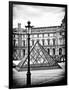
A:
(39, 57)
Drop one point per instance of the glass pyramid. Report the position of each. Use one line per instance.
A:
(39, 57)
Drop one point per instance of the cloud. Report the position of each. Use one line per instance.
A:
(26, 11)
(39, 15)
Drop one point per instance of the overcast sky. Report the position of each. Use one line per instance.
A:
(40, 16)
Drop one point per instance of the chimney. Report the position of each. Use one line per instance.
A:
(19, 26)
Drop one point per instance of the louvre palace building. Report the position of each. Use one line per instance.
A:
(51, 38)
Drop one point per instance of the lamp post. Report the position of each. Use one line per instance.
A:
(28, 70)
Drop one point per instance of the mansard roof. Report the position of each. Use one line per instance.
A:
(46, 29)
(51, 29)
(42, 30)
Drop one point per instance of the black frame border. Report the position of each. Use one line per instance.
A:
(64, 82)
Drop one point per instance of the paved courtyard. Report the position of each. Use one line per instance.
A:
(38, 77)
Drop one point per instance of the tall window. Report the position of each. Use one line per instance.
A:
(51, 42)
(48, 51)
(43, 41)
(53, 51)
(60, 51)
(23, 52)
(23, 42)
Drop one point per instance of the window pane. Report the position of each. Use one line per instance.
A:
(48, 51)
(45, 43)
(53, 51)
(48, 41)
(51, 42)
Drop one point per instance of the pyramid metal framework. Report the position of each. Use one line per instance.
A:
(39, 57)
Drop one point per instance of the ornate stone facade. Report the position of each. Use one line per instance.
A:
(51, 38)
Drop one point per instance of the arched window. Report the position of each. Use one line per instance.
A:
(43, 41)
(48, 41)
(53, 51)
(48, 51)
(60, 51)
(23, 42)
(23, 52)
